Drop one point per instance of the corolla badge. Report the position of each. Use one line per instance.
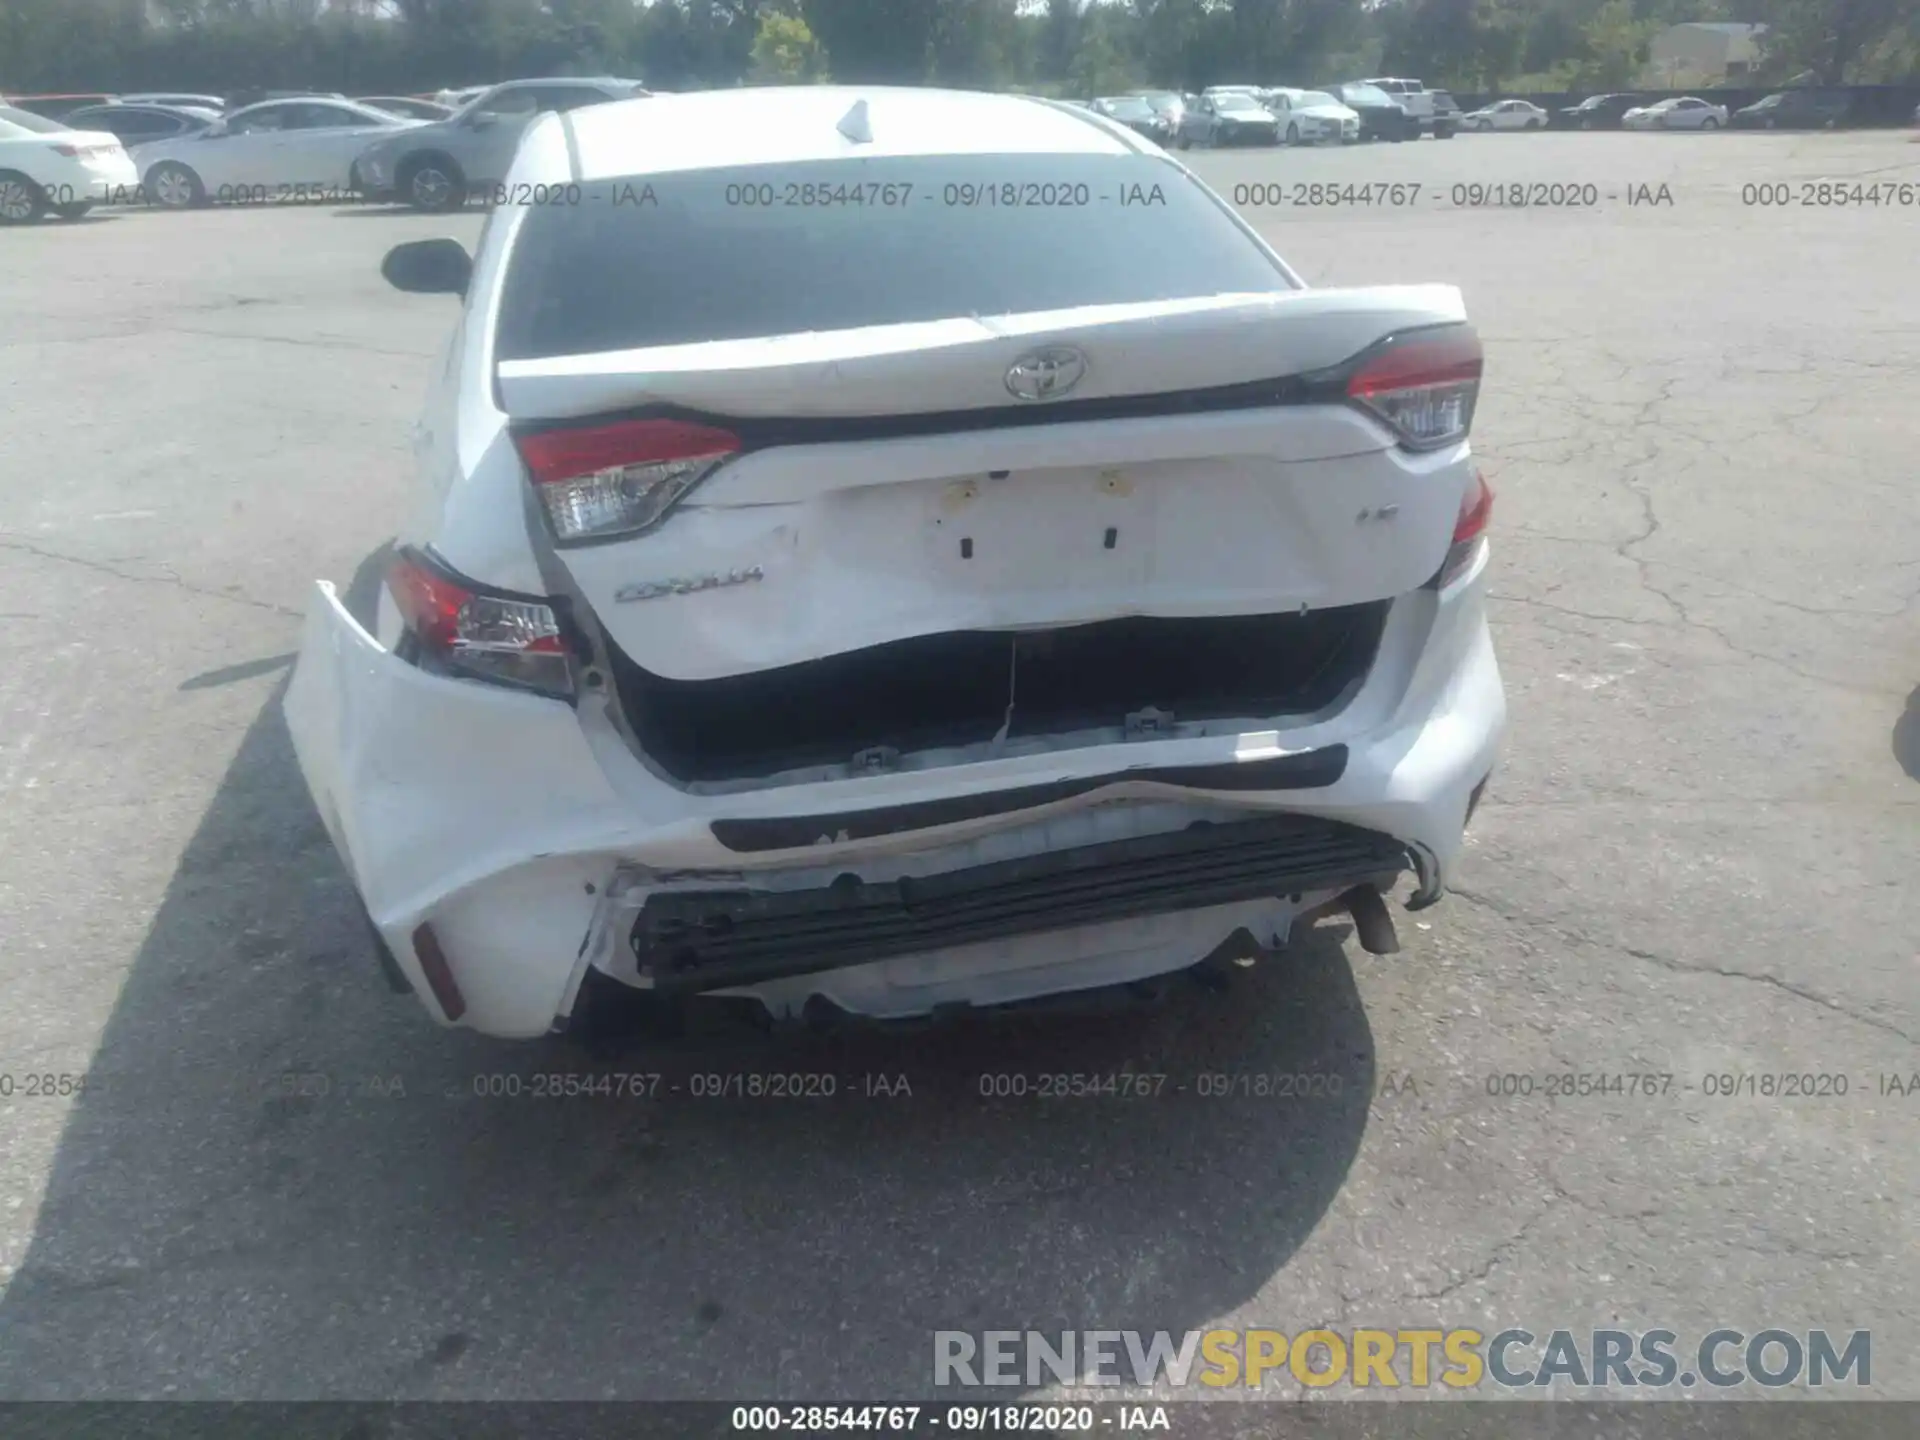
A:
(1046, 374)
(687, 585)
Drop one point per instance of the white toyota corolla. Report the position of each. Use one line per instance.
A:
(45, 166)
(893, 549)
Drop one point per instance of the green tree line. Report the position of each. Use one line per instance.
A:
(1071, 47)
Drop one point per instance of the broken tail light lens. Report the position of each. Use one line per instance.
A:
(1422, 384)
(1469, 533)
(460, 628)
(601, 481)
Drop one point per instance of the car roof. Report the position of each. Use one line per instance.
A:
(713, 129)
(339, 101)
(561, 80)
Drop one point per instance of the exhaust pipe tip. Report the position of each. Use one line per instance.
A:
(1371, 920)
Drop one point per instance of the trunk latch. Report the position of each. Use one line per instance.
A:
(876, 760)
(1144, 724)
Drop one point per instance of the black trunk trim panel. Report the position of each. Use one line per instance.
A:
(694, 941)
(1308, 770)
(761, 433)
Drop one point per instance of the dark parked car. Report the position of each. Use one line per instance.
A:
(1596, 112)
(1446, 115)
(1138, 116)
(1381, 116)
(138, 124)
(1227, 118)
(1794, 110)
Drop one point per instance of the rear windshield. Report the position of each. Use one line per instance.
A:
(754, 251)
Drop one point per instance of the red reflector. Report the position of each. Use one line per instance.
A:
(433, 964)
(1409, 364)
(554, 455)
(1475, 511)
(67, 150)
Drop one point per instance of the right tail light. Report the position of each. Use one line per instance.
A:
(1422, 384)
(1469, 533)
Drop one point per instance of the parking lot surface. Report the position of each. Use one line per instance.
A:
(279, 1180)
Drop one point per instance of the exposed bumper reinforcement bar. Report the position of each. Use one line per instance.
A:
(1306, 770)
(693, 941)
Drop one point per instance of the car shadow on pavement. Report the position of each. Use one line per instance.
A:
(282, 1181)
(1906, 736)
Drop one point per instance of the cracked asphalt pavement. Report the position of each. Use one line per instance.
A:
(280, 1181)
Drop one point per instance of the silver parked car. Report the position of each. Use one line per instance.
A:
(437, 166)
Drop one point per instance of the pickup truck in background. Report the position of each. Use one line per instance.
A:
(1436, 111)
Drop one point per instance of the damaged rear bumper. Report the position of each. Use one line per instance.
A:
(688, 942)
(536, 846)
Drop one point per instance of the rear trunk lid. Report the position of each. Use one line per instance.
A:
(950, 393)
(888, 485)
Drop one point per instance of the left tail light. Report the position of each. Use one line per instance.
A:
(1469, 533)
(602, 481)
(461, 628)
(1422, 384)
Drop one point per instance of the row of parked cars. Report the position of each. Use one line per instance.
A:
(1800, 108)
(1804, 108)
(1344, 113)
(62, 155)
(1401, 109)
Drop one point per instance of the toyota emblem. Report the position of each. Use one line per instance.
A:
(1046, 374)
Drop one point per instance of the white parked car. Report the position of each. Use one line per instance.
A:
(1688, 113)
(1505, 115)
(46, 167)
(1308, 117)
(886, 606)
(275, 151)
